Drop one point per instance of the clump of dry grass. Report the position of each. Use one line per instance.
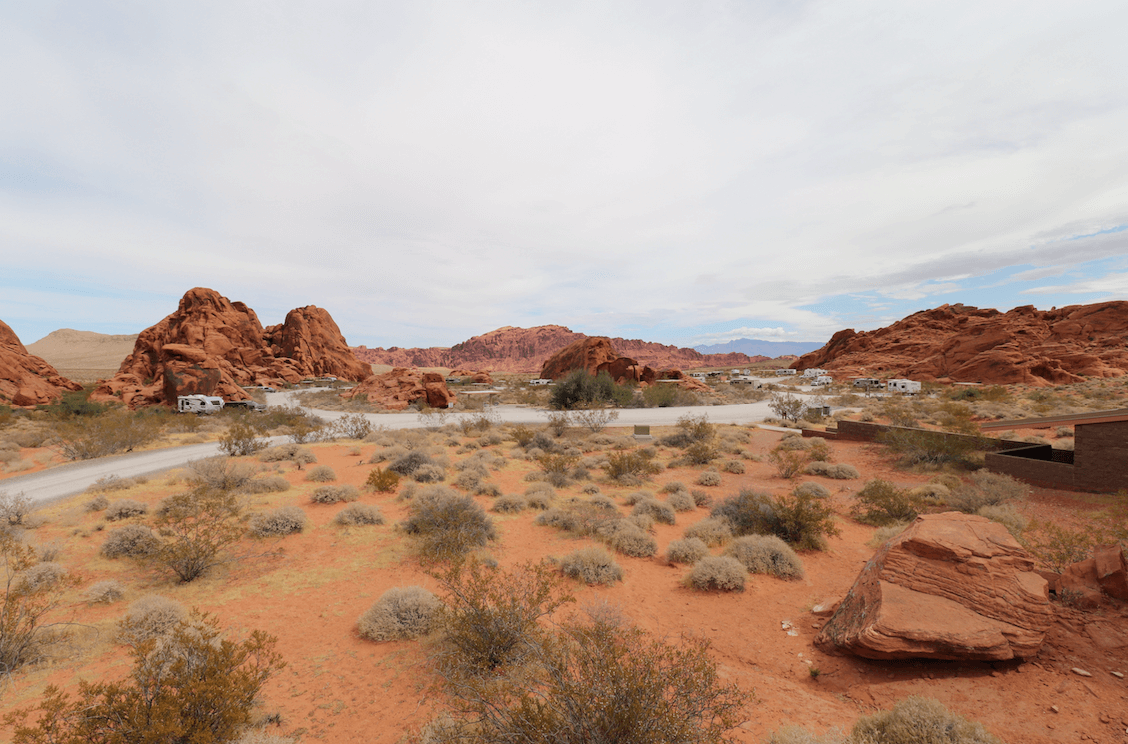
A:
(401, 613)
(285, 520)
(359, 515)
(718, 572)
(592, 565)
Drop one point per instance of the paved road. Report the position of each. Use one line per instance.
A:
(76, 477)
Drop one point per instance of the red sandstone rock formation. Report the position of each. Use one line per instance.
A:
(525, 350)
(1106, 571)
(596, 355)
(401, 387)
(472, 377)
(966, 344)
(951, 586)
(25, 379)
(213, 346)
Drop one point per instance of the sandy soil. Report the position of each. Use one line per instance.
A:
(83, 349)
(309, 589)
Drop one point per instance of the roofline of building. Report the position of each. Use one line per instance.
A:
(1092, 417)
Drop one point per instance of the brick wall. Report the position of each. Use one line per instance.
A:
(1101, 456)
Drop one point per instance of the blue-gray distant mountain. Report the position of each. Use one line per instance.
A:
(756, 347)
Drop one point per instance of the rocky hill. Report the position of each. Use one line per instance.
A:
(213, 346)
(25, 379)
(67, 348)
(960, 343)
(525, 350)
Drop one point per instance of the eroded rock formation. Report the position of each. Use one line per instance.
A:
(213, 346)
(951, 586)
(960, 343)
(401, 387)
(25, 379)
(595, 355)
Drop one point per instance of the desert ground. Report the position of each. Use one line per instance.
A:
(309, 589)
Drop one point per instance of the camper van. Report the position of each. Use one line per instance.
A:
(902, 386)
(199, 404)
(822, 380)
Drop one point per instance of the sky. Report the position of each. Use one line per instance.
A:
(686, 173)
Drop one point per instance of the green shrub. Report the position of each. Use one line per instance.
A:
(788, 463)
(631, 467)
(717, 572)
(712, 531)
(689, 550)
(382, 481)
(401, 613)
(125, 509)
(766, 554)
(918, 446)
(986, 489)
(447, 524)
(582, 390)
(196, 528)
(321, 474)
(656, 510)
(285, 520)
(801, 520)
(880, 503)
(592, 565)
(130, 541)
(701, 453)
(241, 440)
(359, 515)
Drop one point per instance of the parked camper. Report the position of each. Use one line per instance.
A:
(822, 380)
(902, 386)
(746, 380)
(199, 404)
(784, 372)
(814, 372)
(540, 381)
(867, 382)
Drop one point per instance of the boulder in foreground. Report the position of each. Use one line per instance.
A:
(951, 586)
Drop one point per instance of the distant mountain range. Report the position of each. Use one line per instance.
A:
(757, 347)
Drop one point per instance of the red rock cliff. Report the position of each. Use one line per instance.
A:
(25, 379)
(967, 344)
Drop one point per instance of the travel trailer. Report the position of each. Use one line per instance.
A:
(814, 372)
(902, 386)
(822, 380)
(784, 372)
(199, 403)
(867, 382)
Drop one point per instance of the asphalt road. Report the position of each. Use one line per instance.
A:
(73, 478)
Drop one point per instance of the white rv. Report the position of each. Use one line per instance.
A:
(199, 403)
(784, 372)
(814, 372)
(902, 386)
(822, 380)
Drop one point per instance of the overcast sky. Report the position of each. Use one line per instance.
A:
(679, 172)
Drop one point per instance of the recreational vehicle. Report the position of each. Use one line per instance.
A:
(814, 372)
(822, 380)
(199, 403)
(902, 386)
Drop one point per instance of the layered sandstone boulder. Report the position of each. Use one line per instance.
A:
(595, 355)
(951, 586)
(961, 343)
(1106, 571)
(25, 379)
(480, 378)
(213, 346)
(396, 390)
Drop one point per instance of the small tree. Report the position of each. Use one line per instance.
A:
(192, 686)
(25, 636)
(197, 528)
(241, 440)
(787, 406)
(595, 418)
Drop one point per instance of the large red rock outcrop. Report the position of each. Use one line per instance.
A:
(401, 387)
(524, 350)
(1106, 571)
(951, 586)
(595, 355)
(25, 379)
(213, 346)
(960, 343)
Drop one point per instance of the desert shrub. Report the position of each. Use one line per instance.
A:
(321, 474)
(88, 437)
(98, 503)
(105, 592)
(671, 487)
(193, 686)
(583, 390)
(491, 617)
(1056, 547)
(929, 492)
(197, 529)
(701, 453)
(288, 452)
(1006, 515)
(918, 720)
(150, 617)
(408, 463)
(681, 501)
(539, 500)
(788, 463)
(382, 481)
(886, 533)
(401, 613)
(334, 494)
(712, 531)
(447, 524)
(594, 418)
(643, 521)
(656, 510)
(635, 497)
(359, 515)
(717, 572)
(818, 449)
(631, 467)
(31, 594)
(109, 483)
(40, 576)
(604, 502)
(356, 426)
(918, 446)
(838, 471)
(509, 503)
(556, 468)
(590, 488)
(241, 440)
(794, 442)
(700, 498)
(130, 541)
(810, 488)
(14, 508)
(689, 550)
(766, 554)
(125, 509)
(592, 565)
(880, 503)
(541, 487)
(709, 478)
(802, 521)
(735, 467)
(219, 473)
(267, 484)
(285, 520)
(429, 474)
(633, 542)
(986, 489)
